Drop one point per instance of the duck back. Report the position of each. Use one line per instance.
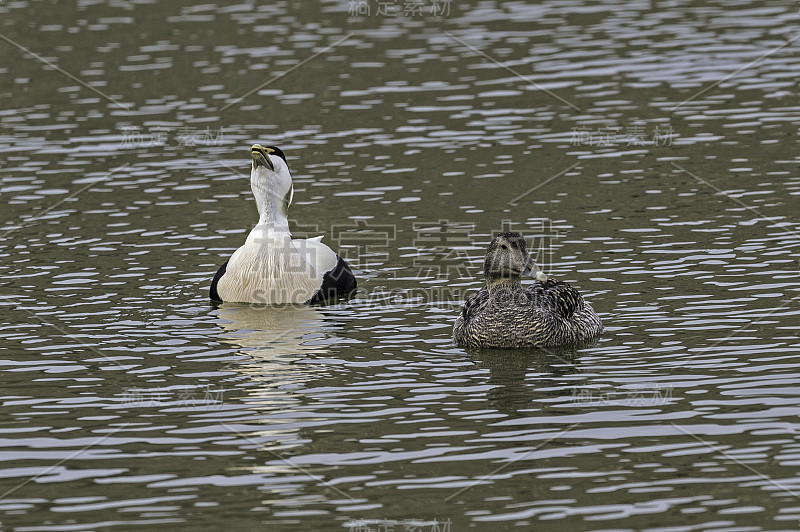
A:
(545, 314)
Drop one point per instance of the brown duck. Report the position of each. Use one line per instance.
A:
(504, 314)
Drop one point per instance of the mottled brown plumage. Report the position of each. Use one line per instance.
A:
(504, 314)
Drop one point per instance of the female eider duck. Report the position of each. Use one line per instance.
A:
(504, 314)
(272, 267)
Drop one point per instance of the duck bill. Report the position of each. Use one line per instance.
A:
(260, 157)
(532, 270)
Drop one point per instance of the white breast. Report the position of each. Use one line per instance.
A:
(272, 268)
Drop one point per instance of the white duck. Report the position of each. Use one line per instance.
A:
(272, 267)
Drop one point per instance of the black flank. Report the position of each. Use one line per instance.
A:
(340, 281)
(213, 292)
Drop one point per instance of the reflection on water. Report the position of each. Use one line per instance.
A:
(275, 343)
(286, 330)
(648, 152)
(518, 377)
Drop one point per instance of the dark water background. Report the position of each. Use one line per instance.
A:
(649, 150)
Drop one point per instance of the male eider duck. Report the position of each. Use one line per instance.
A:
(504, 314)
(272, 267)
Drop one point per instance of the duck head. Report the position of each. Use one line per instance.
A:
(271, 182)
(508, 258)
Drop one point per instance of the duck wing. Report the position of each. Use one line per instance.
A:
(555, 296)
(475, 303)
(335, 276)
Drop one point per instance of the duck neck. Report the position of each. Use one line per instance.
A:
(271, 211)
(273, 222)
(497, 284)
